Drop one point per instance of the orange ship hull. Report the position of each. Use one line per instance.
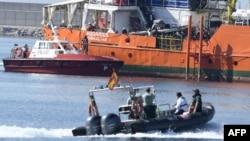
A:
(224, 57)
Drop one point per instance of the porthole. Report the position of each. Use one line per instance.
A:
(210, 61)
(235, 63)
(130, 55)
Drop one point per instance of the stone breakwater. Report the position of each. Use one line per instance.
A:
(21, 31)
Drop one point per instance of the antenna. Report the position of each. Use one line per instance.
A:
(249, 4)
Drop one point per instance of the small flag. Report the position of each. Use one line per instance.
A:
(113, 80)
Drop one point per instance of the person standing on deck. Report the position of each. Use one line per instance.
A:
(149, 104)
(124, 30)
(85, 45)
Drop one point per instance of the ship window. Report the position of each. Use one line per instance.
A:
(41, 45)
(99, 19)
(50, 46)
(55, 46)
(66, 46)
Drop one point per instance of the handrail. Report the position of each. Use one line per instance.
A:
(168, 110)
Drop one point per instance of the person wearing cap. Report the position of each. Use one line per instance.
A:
(149, 104)
(196, 105)
(181, 105)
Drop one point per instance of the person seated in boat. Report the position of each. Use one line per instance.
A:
(149, 104)
(181, 105)
(196, 105)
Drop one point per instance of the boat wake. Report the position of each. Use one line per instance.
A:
(30, 132)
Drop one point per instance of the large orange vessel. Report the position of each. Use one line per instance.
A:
(173, 38)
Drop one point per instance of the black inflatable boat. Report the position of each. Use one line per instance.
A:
(111, 123)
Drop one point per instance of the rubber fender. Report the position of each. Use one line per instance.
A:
(110, 124)
(93, 125)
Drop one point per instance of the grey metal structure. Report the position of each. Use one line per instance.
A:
(21, 14)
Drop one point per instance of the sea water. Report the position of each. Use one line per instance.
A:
(42, 107)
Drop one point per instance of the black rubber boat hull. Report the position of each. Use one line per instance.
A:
(113, 125)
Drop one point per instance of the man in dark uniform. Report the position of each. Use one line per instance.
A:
(85, 44)
(196, 105)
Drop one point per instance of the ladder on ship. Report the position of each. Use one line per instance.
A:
(200, 49)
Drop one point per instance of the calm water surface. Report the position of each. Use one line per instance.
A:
(47, 107)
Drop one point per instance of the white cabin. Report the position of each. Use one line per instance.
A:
(50, 49)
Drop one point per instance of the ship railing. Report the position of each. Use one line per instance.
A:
(114, 2)
(169, 42)
(164, 110)
(167, 3)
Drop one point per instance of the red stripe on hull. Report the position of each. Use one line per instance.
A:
(69, 67)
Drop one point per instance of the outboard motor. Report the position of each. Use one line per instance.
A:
(93, 125)
(111, 124)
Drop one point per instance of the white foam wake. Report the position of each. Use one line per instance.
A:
(29, 132)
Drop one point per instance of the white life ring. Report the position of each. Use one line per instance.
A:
(18, 52)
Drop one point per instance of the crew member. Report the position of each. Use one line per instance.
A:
(85, 45)
(181, 105)
(196, 105)
(149, 105)
(136, 107)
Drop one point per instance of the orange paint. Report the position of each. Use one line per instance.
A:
(226, 52)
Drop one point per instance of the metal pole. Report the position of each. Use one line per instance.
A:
(188, 45)
(200, 51)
